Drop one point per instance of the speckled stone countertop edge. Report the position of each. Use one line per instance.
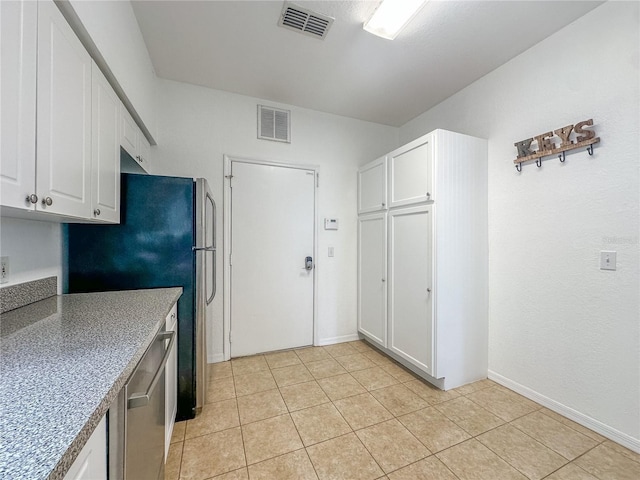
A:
(61, 469)
(80, 422)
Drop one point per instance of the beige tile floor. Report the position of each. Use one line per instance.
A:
(348, 412)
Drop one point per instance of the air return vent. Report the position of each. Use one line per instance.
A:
(304, 21)
(273, 124)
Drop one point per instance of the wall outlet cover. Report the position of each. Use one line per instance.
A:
(4, 269)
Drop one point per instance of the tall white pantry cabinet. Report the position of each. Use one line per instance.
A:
(423, 255)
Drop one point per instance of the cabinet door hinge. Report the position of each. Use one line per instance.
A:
(317, 180)
(230, 256)
(229, 336)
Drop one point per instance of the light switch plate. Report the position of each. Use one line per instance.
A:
(607, 260)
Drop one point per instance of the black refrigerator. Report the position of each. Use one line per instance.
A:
(166, 238)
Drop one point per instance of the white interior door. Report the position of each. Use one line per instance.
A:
(272, 233)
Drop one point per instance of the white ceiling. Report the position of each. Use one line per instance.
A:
(238, 47)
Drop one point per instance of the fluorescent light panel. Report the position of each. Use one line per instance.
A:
(391, 16)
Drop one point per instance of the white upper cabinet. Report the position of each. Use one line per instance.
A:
(372, 186)
(63, 167)
(133, 140)
(411, 173)
(372, 276)
(105, 155)
(18, 36)
(60, 125)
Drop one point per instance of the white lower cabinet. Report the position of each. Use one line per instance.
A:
(171, 381)
(372, 276)
(91, 462)
(411, 332)
(432, 249)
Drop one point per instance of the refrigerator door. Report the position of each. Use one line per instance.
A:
(152, 247)
(205, 249)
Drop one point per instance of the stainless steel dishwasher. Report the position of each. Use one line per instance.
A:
(144, 420)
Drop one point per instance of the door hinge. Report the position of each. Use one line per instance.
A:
(317, 180)
(230, 262)
(229, 336)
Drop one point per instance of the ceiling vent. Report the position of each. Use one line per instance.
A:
(304, 21)
(274, 124)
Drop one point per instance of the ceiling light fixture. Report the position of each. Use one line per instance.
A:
(391, 16)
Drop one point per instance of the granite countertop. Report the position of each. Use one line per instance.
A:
(63, 361)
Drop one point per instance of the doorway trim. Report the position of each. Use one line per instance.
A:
(226, 241)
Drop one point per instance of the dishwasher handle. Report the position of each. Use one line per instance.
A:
(141, 399)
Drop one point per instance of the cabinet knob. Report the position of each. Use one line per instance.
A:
(383, 204)
(33, 198)
(48, 201)
(428, 290)
(96, 212)
(383, 280)
(428, 194)
(139, 158)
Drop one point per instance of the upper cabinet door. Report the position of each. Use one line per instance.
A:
(411, 173)
(105, 145)
(144, 152)
(128, 133)
(64, 117)
(372, 186)
(18, 34)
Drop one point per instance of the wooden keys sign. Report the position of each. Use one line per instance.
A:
(546, 145)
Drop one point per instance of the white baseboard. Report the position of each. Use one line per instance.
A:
(215, 357)
(331, 340)
(605, 430)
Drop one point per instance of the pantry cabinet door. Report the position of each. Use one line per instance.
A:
(411, 319)
(372, 277)
(411, 173)
(63, 166)
(372, 186)
(105, 145)
(18, 34)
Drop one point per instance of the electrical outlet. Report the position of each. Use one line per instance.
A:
(4, 269)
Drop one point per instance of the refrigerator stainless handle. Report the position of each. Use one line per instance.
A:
(203, 249)
(213, 275)
(141, 399)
